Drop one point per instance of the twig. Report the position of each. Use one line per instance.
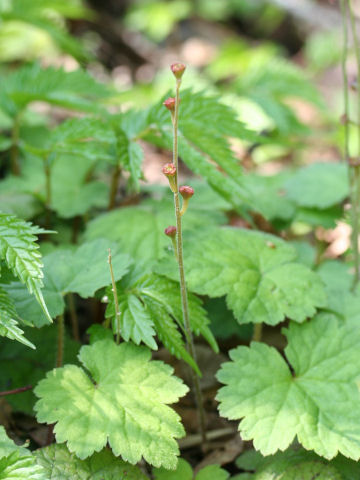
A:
(16, 390)
(196, 439)
(257, 332)
(73, 317)
(114, 186)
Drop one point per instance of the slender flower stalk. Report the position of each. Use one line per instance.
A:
(116, 300)
(171, 171)
(354, 166)
(60, 341)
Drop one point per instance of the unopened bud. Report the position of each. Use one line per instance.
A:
(170, 103)
(186, 191)
(178, 69)
(169, 170)
(170, 231)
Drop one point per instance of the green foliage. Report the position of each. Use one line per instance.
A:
(203, 143)
(8, 323)
(139, 230)
(153, 303)
(322, 393)
(83, 270)
(20, 366)
(124, 403)
(59, 463)
(257, 273)
(16, 463)
(76, 90)
(18, 248)
(45, 16)
(184, 472)
(320, 185)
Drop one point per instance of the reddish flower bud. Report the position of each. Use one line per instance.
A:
(169, 170)
(170, 103)
(178, 69)
(170, 231)
(186, 191)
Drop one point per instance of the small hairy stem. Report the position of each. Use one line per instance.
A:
(16, 390)
(114, 186)
(355, 174)
(47, 172)
(14, 152)
(345, 77)
(258, 327)
(116, 300)
(73, 317)
(60, 341)
(180, 260)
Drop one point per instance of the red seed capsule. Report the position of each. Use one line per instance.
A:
(186, 191)
(170, 103)
(170, 231)
(178, 69)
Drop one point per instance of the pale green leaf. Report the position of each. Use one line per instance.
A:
(124, 403)
(319, 404)
(20, 467)
(319, 185)
(7, 446)
(60, 464)
(20, 251)
(257, 272)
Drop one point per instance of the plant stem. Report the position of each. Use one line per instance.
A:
(47, 172)
(114, 186)
(116, 300)
(257, 332)
(180, 260)
(60, 341)
(14, 152)
(16, 390)
(355, 183)
(73, 317)
(345, 77)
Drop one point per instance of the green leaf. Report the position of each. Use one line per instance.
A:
(319, 403)
(76, 89)
(153, 303)
(320, 185)
(20, 251)
(59, 463)
(184, 472)
(19, 467)
(257, 273)
(83, 270)
(140, 230)
(124, 403)
(8, 323)
(203, 145)
(21, 366)
(7, 446)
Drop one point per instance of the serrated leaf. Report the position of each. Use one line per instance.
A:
(257, 273)
(320, 185)
(184, 472)
(76, 89)
(83, 270)
(60, 464)
(21, 366)
(8, 323)
(124, 403)
(151, 303)
(20, 251)
(19, 467)
(203, 143)
(140, 230)
(319, 404)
